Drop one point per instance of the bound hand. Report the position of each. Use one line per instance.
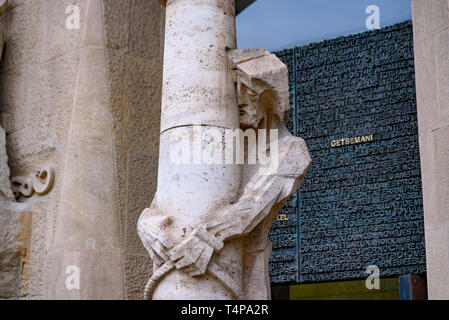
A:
(152, 231)
(194, 253)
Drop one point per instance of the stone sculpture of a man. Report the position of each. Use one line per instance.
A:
(262, 90)
(207, 227)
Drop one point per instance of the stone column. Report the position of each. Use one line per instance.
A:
(207, 227)
(87, 235)
(197, 90)
(431, 41)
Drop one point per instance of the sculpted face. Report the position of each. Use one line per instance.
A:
(250, 113)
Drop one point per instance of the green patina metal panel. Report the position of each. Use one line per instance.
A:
(353, 100)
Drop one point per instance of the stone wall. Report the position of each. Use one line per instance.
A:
(13, 231)
(431, 31)
(135, 55)
(52, 116)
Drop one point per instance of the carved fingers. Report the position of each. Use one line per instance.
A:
(153, 233)
(192, 256)
(160, 250)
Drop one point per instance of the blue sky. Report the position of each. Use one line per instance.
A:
(279, 24)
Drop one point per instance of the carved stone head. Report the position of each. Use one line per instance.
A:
(261, 86)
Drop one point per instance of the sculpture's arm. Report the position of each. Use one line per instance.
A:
(263, 193)
(241, 218)
(152, 228)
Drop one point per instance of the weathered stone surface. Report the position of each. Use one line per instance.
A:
(437, 253)
(141, 185)
(138, 270)
(100, 276)
(431, 22)
(5, 185)
(118, 113)
(135, 73)
(13, 237)
(15, 231)
(9, 257)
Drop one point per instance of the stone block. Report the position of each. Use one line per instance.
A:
(100, 275)
(437, 255)
(440, 167)
(442, 72)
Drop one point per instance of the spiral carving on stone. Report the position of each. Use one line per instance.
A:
(41, 183)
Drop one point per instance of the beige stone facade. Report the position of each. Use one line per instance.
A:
(431, 41)
(86, 102)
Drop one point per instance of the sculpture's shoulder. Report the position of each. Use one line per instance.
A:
(294, 158)
(154, 216)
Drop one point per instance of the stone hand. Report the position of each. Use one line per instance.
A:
(194, 253)
(151, 230)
